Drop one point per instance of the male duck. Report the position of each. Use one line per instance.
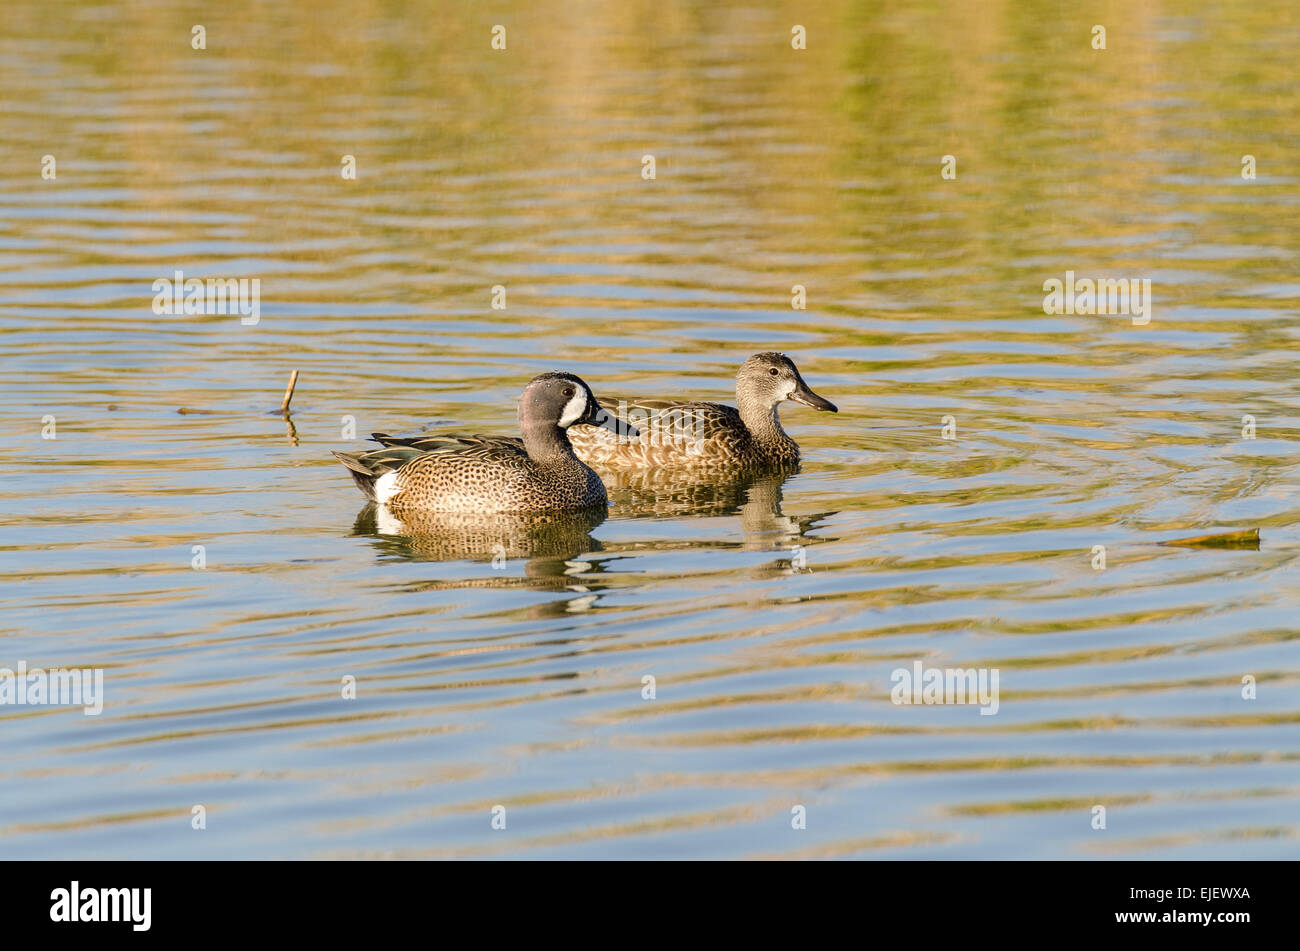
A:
(490, 474)
(697, 434)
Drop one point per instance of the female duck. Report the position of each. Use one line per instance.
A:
(487, 474)
(697, 434)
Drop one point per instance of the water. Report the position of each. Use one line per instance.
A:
(522, 686)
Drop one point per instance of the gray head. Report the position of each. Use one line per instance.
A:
(564, 400)
(766, 379)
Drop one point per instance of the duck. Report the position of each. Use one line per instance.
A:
(695, 434)
(494, 474)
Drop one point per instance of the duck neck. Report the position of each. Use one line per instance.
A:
(762, 421)
(546, 443)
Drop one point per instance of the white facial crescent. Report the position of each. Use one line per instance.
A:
(574, 409)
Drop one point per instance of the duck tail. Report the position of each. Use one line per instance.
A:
(362, 474)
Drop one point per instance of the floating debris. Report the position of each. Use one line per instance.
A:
(1246, 539)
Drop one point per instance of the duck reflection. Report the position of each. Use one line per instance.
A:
(549, 541)
(754, 495)
(558, 548)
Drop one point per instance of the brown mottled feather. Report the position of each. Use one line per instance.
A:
(677, 433)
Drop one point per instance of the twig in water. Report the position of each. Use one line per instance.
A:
(288, 393)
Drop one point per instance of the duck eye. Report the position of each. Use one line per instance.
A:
(568, 391)
(774, 371)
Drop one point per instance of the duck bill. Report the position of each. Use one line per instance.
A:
(603, 417)
(807, 397)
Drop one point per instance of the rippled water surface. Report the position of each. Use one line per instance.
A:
(771, 612)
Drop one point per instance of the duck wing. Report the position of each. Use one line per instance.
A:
(705, 419)
(469, 447)
(378, 462)
(673, 433)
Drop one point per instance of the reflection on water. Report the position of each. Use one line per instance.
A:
(665, 493)
(449, 536)
(208, 562)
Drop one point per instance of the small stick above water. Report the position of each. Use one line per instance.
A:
(288, 393)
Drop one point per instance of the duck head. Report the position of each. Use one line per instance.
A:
(564, 400)
(766, 379)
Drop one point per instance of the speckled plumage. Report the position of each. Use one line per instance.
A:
(694, 434)
(487, 474)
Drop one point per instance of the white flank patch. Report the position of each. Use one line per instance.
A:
(386, 487)
(574, 409)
